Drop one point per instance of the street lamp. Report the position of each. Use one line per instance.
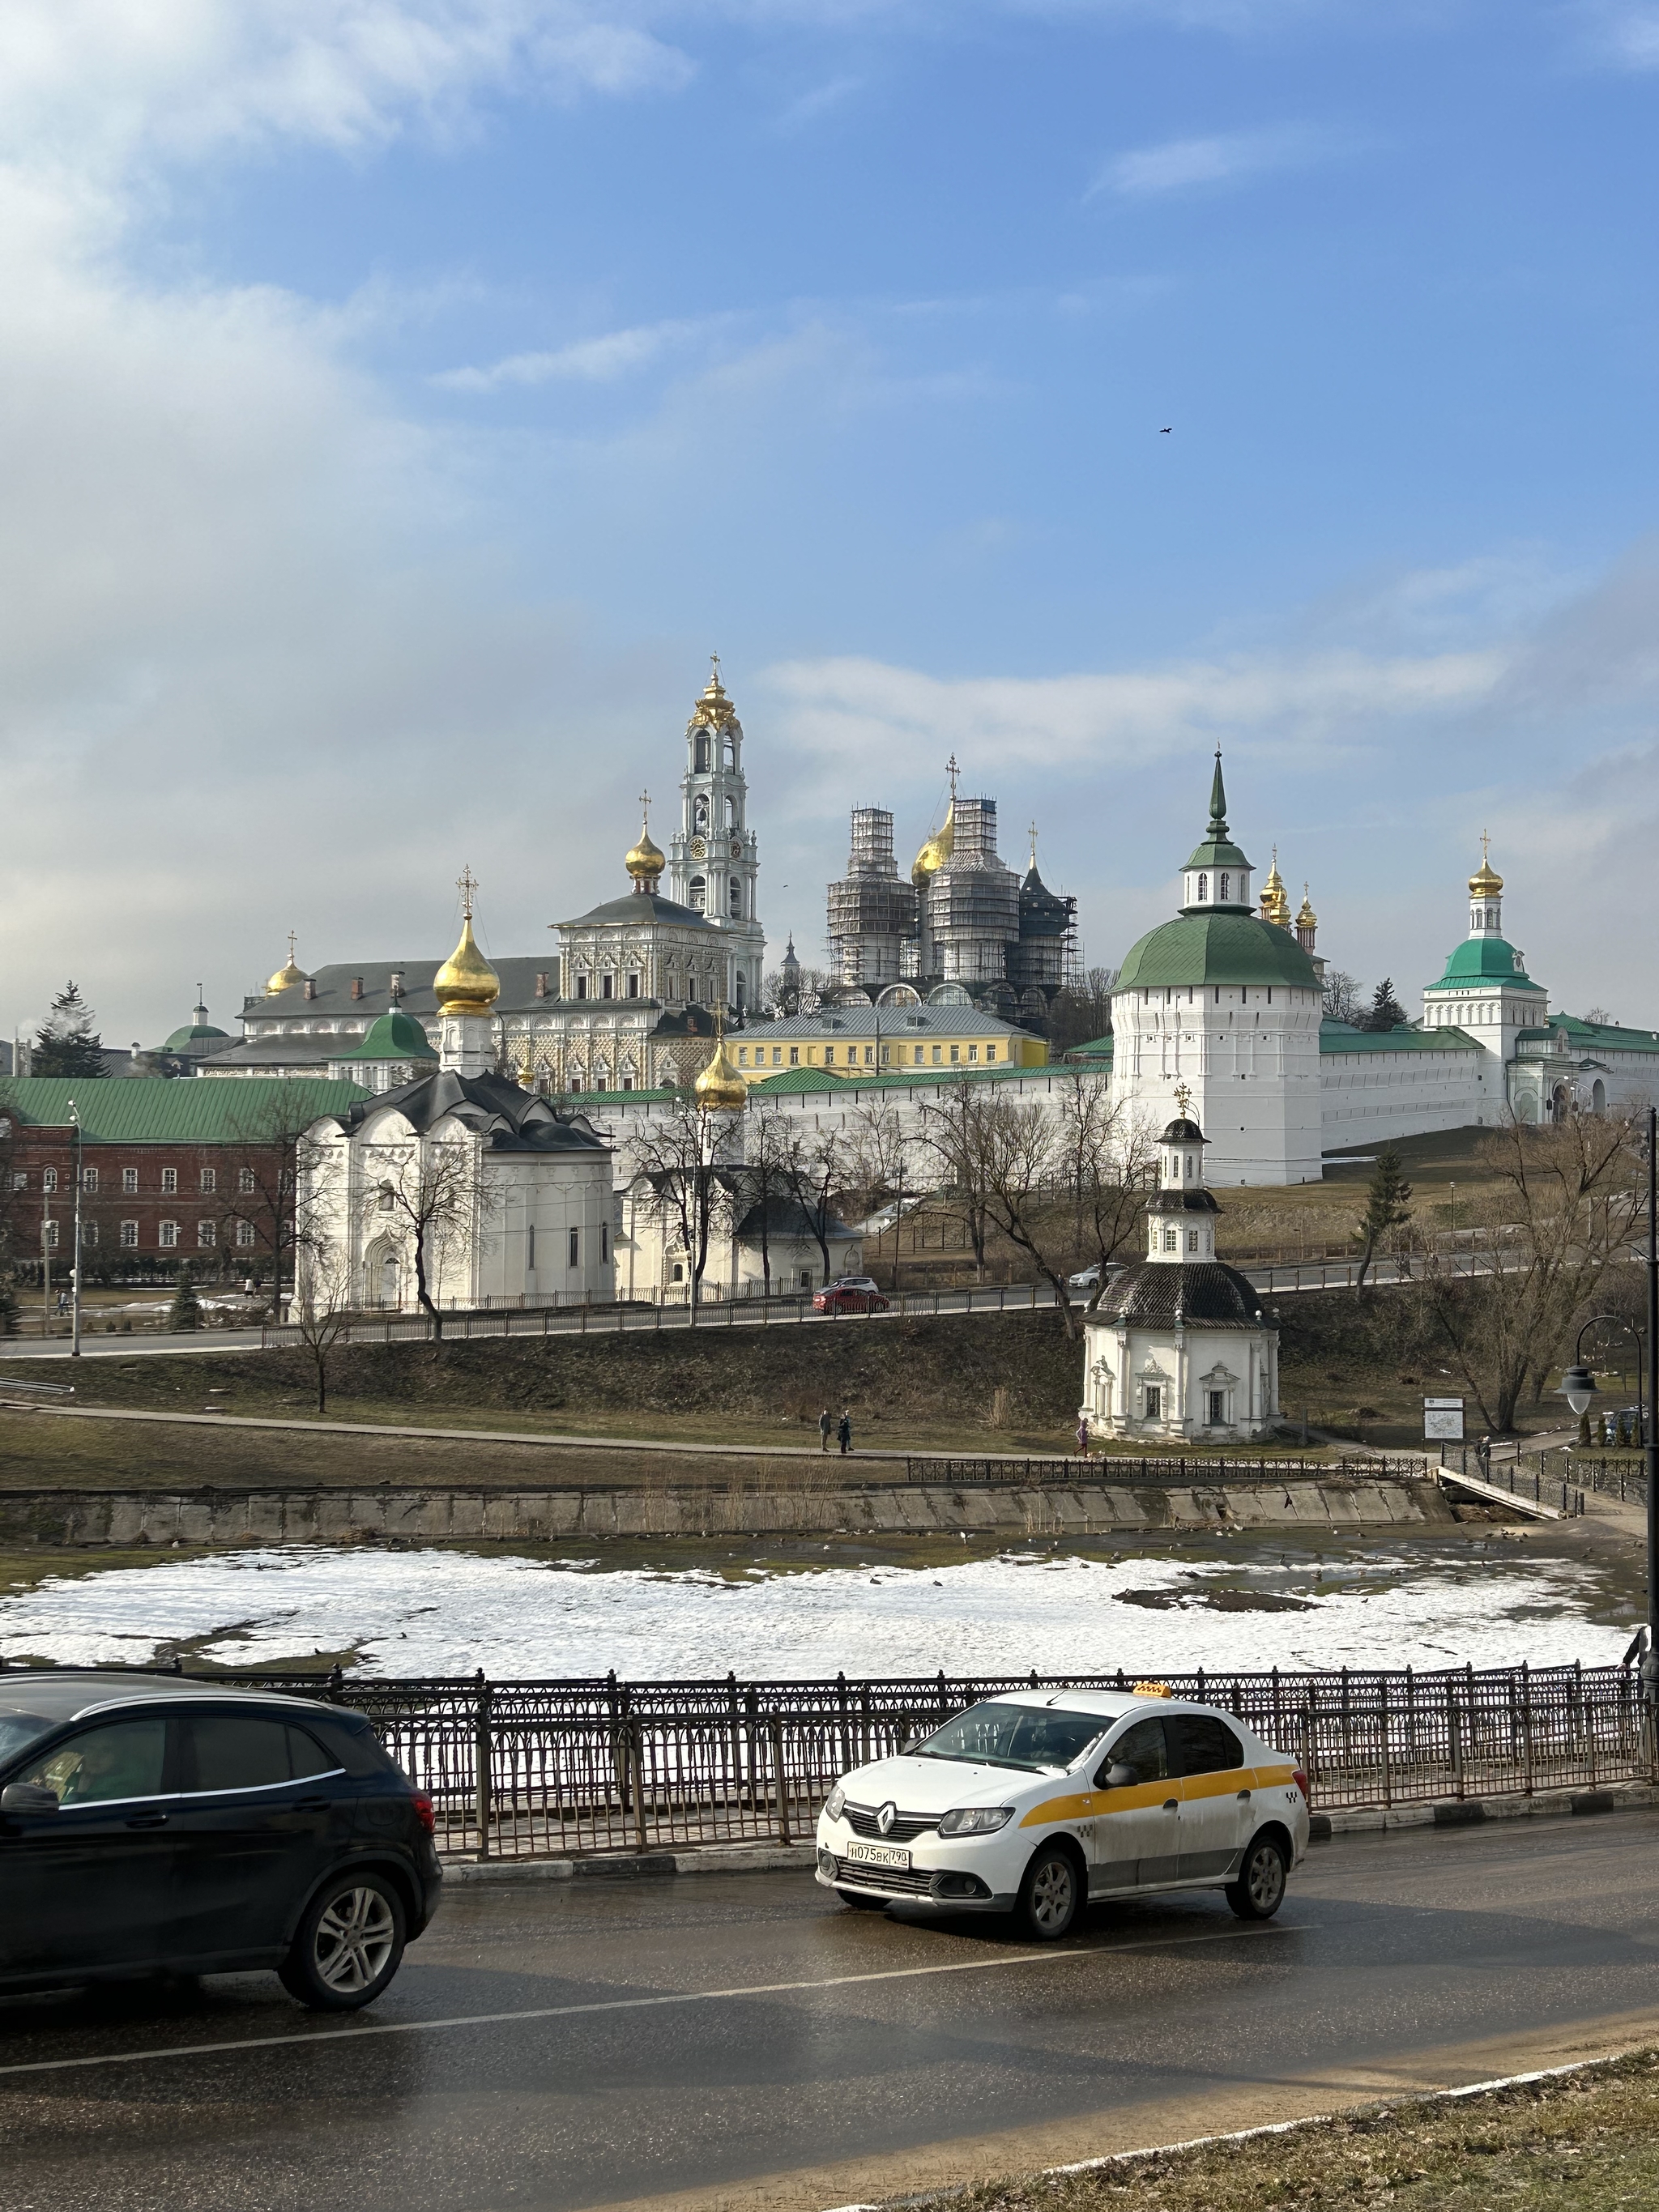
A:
(75, 1272)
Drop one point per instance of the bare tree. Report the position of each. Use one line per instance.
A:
(954, 1128)
(687, 1195)
(1082, 1012)
(435, 1189)
(1052, 1178)
(761, 1179)
(1342, 997)
(1564, 1206)
(260, 1177)
(881, 1164)
(814, 1167)
(323, 1295)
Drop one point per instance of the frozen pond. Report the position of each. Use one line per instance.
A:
(445, 1613)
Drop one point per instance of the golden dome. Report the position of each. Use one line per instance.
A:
(938, 849)
(1307, 919)
(645, 860)
(286, 978)
(720, 1088)
(466, 983)
(1485, 883)
(1275, 900)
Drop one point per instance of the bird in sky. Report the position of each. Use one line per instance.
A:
(1166, 431)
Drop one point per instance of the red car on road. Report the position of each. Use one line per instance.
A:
(851, 1294)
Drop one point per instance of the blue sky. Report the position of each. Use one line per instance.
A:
(399, 397)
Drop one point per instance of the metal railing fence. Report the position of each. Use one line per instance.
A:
(524, 1770)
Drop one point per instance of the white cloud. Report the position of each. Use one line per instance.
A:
(587, 361)
(85, 83)
(1182, 165)
(863, 712)
(1627, 37)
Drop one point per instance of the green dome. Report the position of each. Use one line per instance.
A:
(1486, 961)
(396, 1036)
(201, 1033)
(1216, 948)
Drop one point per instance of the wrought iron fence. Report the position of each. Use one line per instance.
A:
(1166, 1468)
(529, 1770)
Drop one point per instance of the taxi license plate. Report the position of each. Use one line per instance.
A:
(881, 1855)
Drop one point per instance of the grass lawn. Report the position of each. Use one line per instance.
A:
(1586, 2142)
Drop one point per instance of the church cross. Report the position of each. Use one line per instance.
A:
(1486, 852)
(950, 770)
(1183, 1099)
(467, 885)
(645, 806)
(293, 939)
(1034, 844)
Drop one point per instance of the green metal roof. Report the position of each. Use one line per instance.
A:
(1100, 1048)
(396, 1036)
(1216, 948)
(202, 1033)
(1343, 1037)
(188, 1110)
(795, 1080)
(1608, 1037)
(1486, 961)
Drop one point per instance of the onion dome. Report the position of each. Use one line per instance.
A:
(286, 977)
(1306, 917)
(1275, 900)
(1485, 883)
(466, 983)
(719, 1088)
(645, 862)
(937, 851)
(1184, 1131)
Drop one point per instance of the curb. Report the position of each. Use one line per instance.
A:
(1472, 1812)
(1323, 1828)
(631, 1866)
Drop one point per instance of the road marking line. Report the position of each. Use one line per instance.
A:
(630, 2004)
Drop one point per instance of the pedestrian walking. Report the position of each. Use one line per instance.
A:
(1083, 1436)
(824, 1426)
(844, 1431)
(1483, 1458)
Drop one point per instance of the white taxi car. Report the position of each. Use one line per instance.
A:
(1039, 1799)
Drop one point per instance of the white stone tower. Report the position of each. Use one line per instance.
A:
(713, 861)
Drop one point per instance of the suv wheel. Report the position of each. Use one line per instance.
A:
(1259, 1890)
(1050, 1895)
(348, 1946)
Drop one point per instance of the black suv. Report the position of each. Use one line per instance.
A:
(155, 1824)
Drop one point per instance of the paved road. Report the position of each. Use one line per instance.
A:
(740, 2041)
(1019, 1298)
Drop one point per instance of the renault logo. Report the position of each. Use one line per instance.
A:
(887, 1817)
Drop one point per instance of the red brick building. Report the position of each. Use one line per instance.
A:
(170, 1171)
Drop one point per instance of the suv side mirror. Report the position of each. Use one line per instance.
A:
(1119, 1775)
(28, 1797)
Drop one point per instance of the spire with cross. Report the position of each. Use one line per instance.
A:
(467, 885)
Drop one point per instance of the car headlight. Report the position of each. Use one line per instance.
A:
(837, 1802)
(975, 1819)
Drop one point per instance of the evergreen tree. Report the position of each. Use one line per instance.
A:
(66, 1043)
(1388, 1206)
(1386, 1011)
(186, 1309)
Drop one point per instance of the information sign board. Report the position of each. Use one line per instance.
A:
(1443, 1420)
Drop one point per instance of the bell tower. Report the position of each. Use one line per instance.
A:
(712, 861)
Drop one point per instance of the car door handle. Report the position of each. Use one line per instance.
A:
(1244, 1796)
(1172, 1804)
(147, 1821)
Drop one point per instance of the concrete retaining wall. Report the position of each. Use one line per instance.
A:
(128, 1518)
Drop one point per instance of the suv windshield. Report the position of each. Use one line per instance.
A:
(1032, 1737)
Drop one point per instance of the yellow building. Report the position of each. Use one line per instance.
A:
(860, 1041)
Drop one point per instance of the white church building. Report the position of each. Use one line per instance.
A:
(1225, 1006)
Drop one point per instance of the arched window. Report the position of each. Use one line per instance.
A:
(734, 897)
(1203, 888)
(1222, 893)
(729, 751)
(730, 813)
(700, 812)
(701, 756)
(699, 892)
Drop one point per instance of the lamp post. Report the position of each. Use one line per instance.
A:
(75, 1268)
(1578, 1383)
